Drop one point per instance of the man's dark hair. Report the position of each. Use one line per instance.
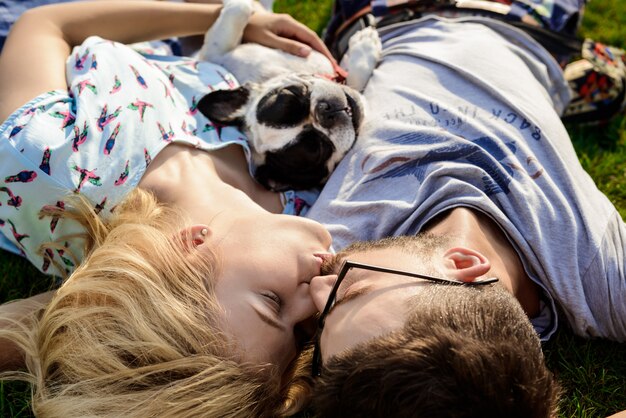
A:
(461, 353)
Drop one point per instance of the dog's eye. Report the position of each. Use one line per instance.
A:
(290, 93)
(288, 106)
(286, 95)
(296, 90)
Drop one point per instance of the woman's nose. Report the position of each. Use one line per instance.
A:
(320, 288)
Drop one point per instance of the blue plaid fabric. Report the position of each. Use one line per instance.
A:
(562, 16)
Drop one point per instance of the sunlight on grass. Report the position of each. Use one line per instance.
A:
(14, 400)
(593, 373)
(315, 13)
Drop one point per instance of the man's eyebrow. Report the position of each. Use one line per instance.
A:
(349, 297)
(269, 320)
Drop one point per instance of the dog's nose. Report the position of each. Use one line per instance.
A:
(330, 112)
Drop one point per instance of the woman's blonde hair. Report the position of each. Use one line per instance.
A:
(134, 330)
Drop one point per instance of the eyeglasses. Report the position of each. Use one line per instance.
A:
(343, 272)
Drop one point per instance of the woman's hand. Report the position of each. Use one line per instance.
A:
(11, 356)
(281, 31)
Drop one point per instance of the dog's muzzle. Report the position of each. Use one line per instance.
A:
(301, 165)
(331, 112)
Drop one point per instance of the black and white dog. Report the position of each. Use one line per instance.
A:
(299, 124)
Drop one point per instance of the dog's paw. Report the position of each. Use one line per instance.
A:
(225, 35)
(363, 55)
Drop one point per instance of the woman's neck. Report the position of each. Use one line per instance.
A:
(206, 183)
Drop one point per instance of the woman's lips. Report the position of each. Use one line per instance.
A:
(325, 261)
(323, 256)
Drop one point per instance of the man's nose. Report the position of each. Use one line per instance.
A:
(320, 288)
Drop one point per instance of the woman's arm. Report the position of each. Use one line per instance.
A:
(11, 358)
(281, 31)
(288, 34)
(33, 58)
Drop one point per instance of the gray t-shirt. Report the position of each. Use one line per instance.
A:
(465, 112)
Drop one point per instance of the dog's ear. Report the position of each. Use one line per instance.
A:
(226, 107)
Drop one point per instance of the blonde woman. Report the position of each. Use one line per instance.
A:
(188, 285)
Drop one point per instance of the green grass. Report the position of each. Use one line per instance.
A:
(315, 13)
(592, 373)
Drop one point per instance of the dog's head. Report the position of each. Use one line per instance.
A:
(298, 126)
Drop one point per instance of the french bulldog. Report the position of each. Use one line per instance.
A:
(298, 121)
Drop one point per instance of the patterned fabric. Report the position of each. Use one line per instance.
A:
(97, 139)
(598, 81)
(556, 15)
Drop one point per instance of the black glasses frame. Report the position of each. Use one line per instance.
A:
(316, 364)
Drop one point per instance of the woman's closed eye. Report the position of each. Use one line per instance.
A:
(273, 300)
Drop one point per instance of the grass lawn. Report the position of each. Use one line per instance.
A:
(593, 373)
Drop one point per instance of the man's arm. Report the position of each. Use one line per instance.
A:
(619, 415)
(11, 358)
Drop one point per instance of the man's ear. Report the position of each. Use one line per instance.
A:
(193, 236)
(465, 264)
(226, 107)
